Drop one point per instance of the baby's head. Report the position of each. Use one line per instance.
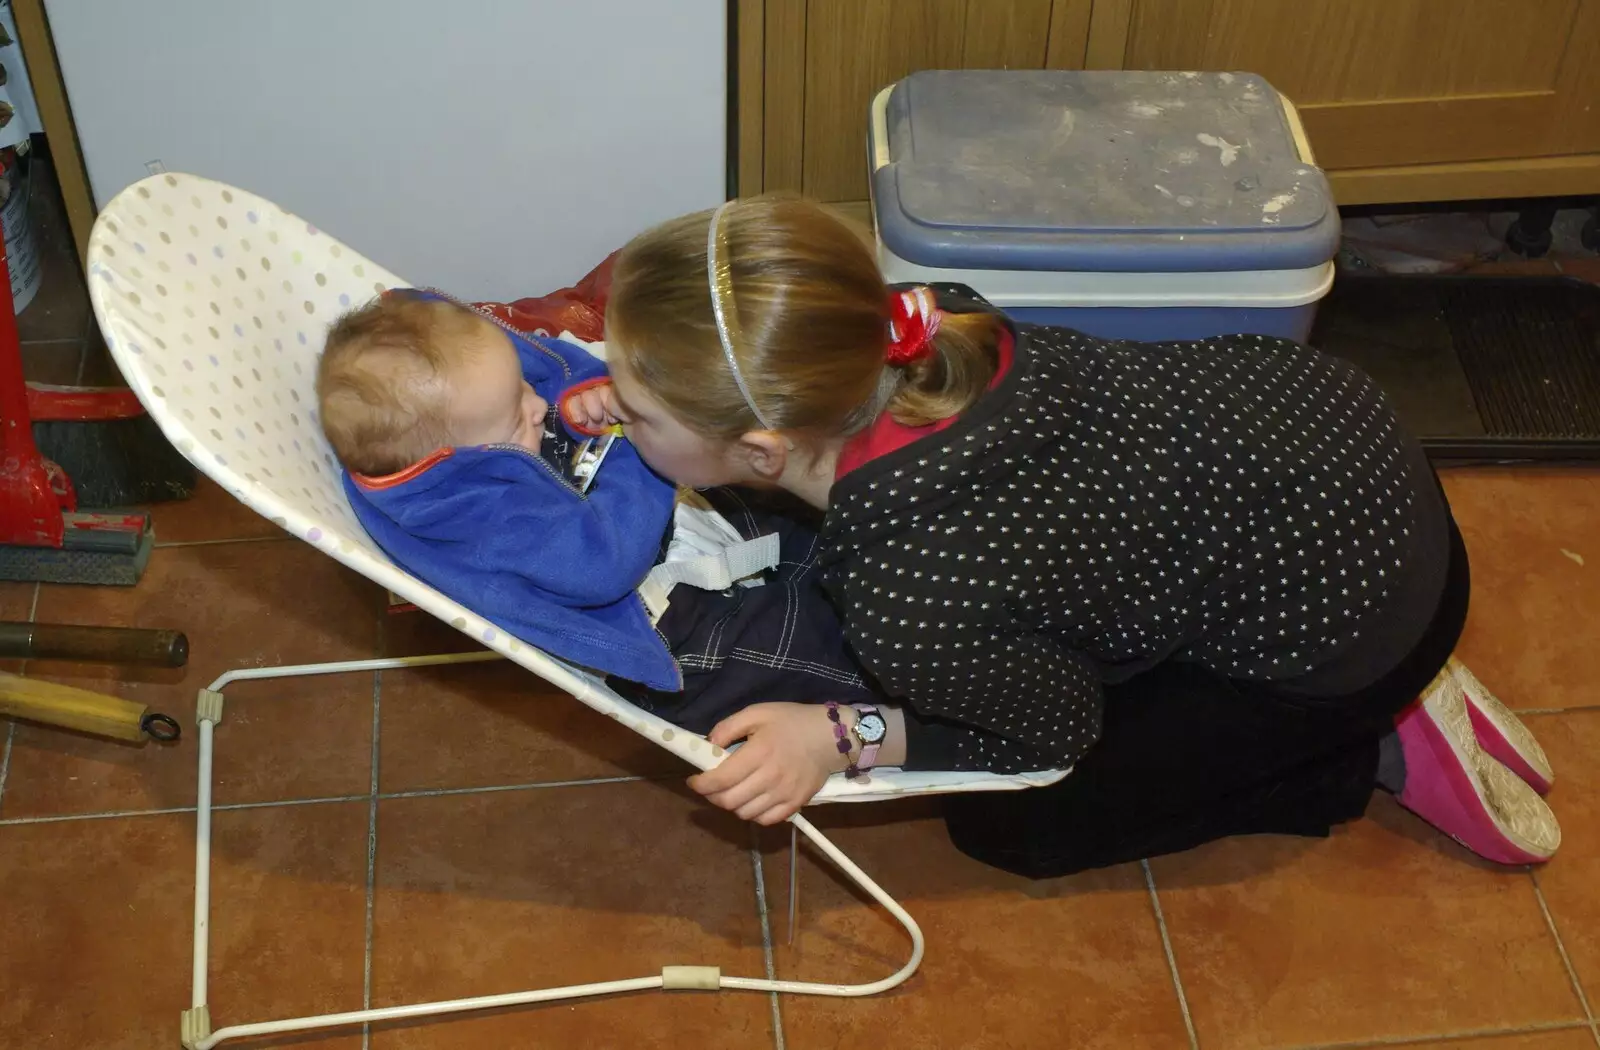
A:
(404, 376)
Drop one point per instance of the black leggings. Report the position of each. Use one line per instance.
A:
(1187, 756)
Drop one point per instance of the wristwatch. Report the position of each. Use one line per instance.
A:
(869, 731)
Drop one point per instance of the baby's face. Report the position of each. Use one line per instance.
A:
(490, 402)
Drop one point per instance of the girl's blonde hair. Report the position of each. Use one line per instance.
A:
(813, 315)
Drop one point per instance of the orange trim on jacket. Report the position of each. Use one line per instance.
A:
(400, 477)
(566, 399)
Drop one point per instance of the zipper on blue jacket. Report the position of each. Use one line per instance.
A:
(554, 473)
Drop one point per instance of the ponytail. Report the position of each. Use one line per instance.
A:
(961, 364)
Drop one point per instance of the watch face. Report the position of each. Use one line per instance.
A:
(870, 729)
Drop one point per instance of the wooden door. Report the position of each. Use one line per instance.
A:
(822, 61)
(1399, 82)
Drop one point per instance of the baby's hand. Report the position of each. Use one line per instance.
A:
(590, 409)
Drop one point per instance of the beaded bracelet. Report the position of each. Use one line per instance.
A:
(841, 738)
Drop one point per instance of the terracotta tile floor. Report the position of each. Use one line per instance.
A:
(508, 838)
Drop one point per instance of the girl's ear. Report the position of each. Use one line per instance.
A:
(763, 453)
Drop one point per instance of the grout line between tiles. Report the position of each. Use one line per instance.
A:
(44, 344)
(5, 758)
(1566, 960)
(372, 858)
(108, 815)
(223, 542)
(11, 725)
(83, 351)
(766, 935)
(442, 792)
(1172, 958)
(320, 800)
(1557, 710)
(326, 799)
(167, 811)
(50, 342)
(1451, 1037)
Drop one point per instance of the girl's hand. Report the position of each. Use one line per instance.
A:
(789, 750)
(591, 409)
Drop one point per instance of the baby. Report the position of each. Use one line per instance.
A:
(458, 468)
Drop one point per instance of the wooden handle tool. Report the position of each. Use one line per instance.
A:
(34, 700)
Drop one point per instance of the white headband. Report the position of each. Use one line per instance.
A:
(720, 276)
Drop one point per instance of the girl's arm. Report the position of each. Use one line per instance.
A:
(789, 751)
(937, 745)
(1003, 699)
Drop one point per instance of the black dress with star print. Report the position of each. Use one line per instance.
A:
(1245, 503)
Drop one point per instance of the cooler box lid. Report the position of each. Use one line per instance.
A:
(1098, 171)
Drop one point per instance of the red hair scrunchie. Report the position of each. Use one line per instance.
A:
(914, 319)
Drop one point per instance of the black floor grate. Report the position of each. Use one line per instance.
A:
(1530, 356)
(1479, 367)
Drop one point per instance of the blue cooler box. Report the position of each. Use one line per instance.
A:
(1129, 205)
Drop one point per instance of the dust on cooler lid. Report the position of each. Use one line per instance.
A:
(1100, 171)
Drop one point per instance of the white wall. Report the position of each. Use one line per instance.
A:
(496, 151)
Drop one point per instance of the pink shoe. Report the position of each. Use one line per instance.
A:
(1502, 733)
(1455, 786)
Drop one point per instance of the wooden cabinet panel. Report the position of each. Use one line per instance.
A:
(1011, 35)
(783, 140)
(1361, 50)
(854, 48)
(1400, 82)
(750, 83)
(1403, 99)
(826, 59)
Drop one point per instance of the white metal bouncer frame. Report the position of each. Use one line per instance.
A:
(198, 1033)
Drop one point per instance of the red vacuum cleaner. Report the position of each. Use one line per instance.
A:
(44, 535)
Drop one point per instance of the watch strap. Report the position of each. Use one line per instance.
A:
(869, 751)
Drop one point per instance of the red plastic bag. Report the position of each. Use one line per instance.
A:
(580, 309)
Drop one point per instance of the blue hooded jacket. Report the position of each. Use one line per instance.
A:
(505, 532)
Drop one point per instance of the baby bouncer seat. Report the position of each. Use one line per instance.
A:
(214, 303)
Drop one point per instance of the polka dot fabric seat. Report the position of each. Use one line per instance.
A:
(214, 303)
